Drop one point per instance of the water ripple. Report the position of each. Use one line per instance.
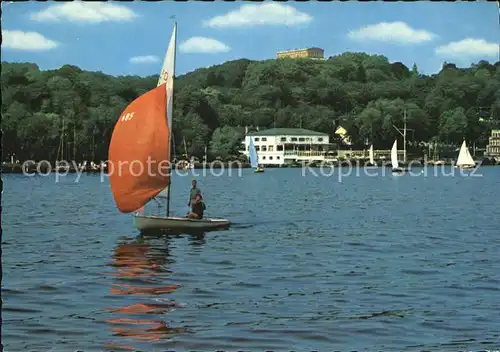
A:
(395, 264)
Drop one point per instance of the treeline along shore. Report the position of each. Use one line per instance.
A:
(69, 113)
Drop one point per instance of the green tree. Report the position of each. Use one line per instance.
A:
(367, 93)
(225, 141)
(453, 125)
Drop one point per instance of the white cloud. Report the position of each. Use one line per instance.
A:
(398, 32)
(468, 47)
(203, 45)
(77, 11)
(147, 59)
(27, 41)
(268, 13)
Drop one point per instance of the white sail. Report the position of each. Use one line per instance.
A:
(394, 155)
(167, 74)
(254, 157)
(464, 157)
(372, 160)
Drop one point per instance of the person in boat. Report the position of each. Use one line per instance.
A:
(197, 208)
(194, 192)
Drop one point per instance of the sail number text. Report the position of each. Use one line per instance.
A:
(164, 74)
(128, 116)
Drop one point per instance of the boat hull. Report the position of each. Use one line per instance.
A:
(465, 167)
(398, 171)
(178, 224)
(257, 170)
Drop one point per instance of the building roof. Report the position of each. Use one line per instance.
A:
(303, 49)
(340, 130)
(287, 132)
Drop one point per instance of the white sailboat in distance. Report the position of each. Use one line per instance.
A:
(254, 157)
(396, 169)
(465, 160)
(371, 155)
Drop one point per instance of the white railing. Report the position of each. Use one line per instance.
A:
(305, 153)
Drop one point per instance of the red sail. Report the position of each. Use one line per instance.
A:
(138, 151)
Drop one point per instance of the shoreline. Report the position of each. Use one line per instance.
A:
(8, 168)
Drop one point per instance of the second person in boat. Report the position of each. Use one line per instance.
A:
(195, 202)
(197, 208)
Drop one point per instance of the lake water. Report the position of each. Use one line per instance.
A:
(369, 263)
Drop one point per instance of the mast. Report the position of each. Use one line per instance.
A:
(59, 147)
(404, 137)
(185, 148)
(403, 134)
(93, 148)
(74, 142)
(170, 134)
(62, 140)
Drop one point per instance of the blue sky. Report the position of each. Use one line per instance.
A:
(106, 36)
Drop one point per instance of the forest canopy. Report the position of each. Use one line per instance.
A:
(366, 94)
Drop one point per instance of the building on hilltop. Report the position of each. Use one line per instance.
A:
(493, 147)
(310, 53)
(278, 146)
(344, 137)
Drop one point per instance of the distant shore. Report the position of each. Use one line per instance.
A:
(9, 168)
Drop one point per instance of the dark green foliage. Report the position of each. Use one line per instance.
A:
(364, 93)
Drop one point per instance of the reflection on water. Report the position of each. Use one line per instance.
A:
(406, 264)
(141, 272)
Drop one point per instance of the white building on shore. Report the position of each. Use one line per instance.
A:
(493, 147)
(278, 146)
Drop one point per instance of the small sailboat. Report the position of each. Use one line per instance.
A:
(394, 159)
(140, 156)
(254, 157)
(186, 165)
(465, 160)
(372, 162)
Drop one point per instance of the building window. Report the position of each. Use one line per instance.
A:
(293, 139)
(278, 157)
(264, 139)
(264, 148)
(257, 148)
(320, 139)
(270, 158)
(263, 158)
(279, 148)
(302, 139)
(256, 139)
(270, 148)
(283, 139)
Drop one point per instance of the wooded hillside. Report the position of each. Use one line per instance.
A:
(365, 94)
